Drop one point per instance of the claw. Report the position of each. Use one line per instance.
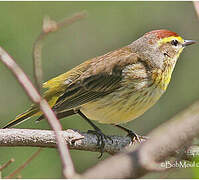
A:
(136, 138)
(101, 138)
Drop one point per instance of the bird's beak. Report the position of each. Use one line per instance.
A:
(188, 42)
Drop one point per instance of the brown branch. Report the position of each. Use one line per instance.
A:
(7, 164)
(163, 142)
(15, 172)
(68, 169)
(49, 26)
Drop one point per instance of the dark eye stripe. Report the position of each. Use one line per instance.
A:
(174, 42)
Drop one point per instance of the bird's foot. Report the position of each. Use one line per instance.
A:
(101, 139)
(135, 138)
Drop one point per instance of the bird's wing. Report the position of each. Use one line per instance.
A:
(89, 89)
(101, 78)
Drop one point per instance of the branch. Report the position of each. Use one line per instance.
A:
(6, 164)
(146, 157)
(46, 138)
(15, 172)
(49, 26)
(76, 140)
(68, 169)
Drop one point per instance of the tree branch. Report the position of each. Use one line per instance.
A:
(46, 138)
(49, 26)
(76, 140)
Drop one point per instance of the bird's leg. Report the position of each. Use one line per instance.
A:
(101, 138)
(135, 137)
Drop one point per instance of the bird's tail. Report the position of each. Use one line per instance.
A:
(22, 117)
(34, 110)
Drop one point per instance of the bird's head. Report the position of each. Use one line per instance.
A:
(160, 47)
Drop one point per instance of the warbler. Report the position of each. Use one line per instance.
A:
(116, 87)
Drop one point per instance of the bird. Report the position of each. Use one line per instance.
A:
(117, 87)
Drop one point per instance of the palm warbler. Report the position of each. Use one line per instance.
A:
(117, 87)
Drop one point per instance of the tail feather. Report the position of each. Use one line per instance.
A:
(21, 117)
(33, 111)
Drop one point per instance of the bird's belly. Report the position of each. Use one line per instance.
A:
(121, 106)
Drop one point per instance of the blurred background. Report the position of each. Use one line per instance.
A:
(109, 25)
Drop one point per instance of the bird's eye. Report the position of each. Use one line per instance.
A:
(174, 42)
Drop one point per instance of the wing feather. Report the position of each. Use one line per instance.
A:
(103, 76)
(88, 90)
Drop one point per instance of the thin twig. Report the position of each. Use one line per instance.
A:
(15, 172)
(7, 164)
(49, 26)
(68, 169)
